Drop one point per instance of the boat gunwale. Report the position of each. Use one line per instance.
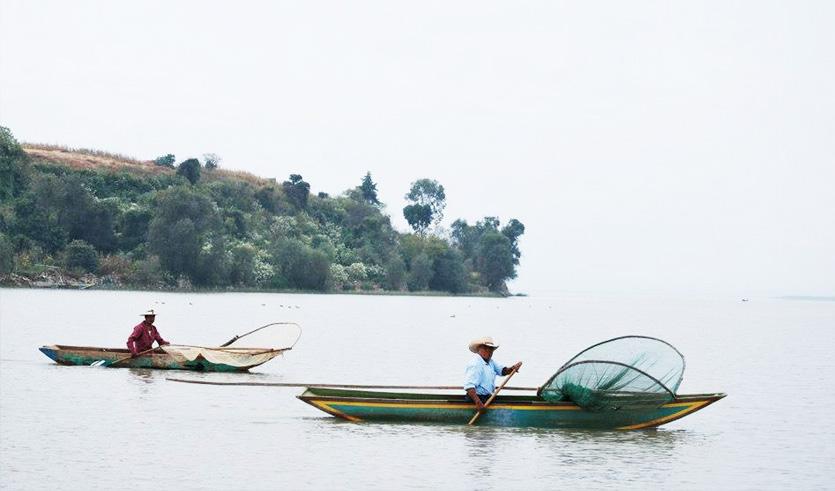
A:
(310, 394)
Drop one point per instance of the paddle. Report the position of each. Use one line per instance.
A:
(478, 413)
(101, 363)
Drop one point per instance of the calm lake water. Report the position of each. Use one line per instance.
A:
(81, 427)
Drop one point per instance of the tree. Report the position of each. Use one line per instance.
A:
(14, 166)
(300, 266)
(449, 272)
(7, 260)
(495, 260)
(268, 199)
(420, 273)
(242, 267)
(211, 161)
(166, 160)
(369, 190)
(38, 214)
(512, 231)
(418, 216)
(395, 275)
(133, 228)
(428, 192)
(190, 169)
(464, 237)
(183, 222)
(297, 191)
(81, 255)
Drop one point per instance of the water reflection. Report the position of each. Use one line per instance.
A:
(145, 375)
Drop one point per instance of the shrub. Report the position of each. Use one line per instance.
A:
(116, 265)
(211, 160)
(190, 169)
(420, 273)
(166, 160)
(6, 255)
(81, 255)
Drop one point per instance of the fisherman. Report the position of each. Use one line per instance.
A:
(480, 375)
(144, 334)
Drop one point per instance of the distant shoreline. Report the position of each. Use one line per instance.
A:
(81, 287)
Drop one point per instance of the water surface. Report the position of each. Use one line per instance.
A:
(110, 428)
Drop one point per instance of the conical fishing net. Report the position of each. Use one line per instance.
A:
(253, 348)
(625, 373)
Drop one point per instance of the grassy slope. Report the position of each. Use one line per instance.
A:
(85, 159)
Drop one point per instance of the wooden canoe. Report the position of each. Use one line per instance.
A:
(505, 410)
(158, 359)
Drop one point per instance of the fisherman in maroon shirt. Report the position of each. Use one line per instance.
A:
(144, 334)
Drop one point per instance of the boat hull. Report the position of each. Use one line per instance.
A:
(157, 359)
(511, 411)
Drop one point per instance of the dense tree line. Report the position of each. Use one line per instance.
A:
(179, 228)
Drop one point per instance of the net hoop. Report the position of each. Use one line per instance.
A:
(683, 361)
(237, 337)
(605, 362)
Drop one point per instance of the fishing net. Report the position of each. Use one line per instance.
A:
(245, 350)
(625, 373)
(240, 357)
(231, 357)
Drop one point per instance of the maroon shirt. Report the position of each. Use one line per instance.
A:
(142, 338)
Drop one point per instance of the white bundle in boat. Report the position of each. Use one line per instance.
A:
(243, 351)
(233, 357)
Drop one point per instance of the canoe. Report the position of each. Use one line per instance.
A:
(160, 359)
(505, 410)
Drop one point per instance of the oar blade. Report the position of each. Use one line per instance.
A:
(99, 363)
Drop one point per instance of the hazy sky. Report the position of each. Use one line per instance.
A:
(681, 147)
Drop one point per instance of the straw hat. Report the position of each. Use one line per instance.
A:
(486, 341)
(148, 312)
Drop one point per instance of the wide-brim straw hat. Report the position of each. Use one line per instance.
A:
(486, 341)
(148, 312)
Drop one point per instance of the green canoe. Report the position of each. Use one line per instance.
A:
(505, 410)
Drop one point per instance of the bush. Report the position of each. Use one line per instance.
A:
(301, 266)
(166, 160)
(82, 256)
(211, 160)
(190, 169)
(6, 255)
(420, 273)
(149, 273)
(395, 278)
(116, 265)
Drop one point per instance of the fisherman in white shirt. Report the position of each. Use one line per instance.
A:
(480, 375)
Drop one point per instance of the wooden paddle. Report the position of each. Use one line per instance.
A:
(478, 413)
(101, 363)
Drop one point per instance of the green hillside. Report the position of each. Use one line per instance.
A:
(75, 217)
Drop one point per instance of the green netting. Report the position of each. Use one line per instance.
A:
(621, 374)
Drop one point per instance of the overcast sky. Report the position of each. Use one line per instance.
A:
(679, 147)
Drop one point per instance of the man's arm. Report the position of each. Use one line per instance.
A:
(158, 338)
(132, 339)
(478, 404)
(470, 382)
(516, 366)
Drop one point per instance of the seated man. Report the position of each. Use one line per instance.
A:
(144, 334)
(480, 376)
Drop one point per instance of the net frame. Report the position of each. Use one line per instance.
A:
(570, 363)
(231, 343)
